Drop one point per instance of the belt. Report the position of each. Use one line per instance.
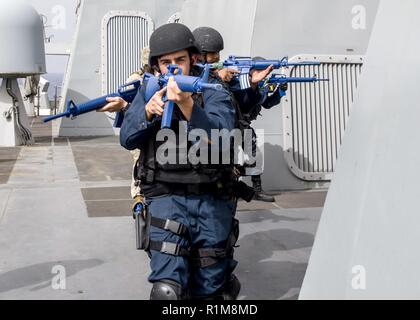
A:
(195, 189)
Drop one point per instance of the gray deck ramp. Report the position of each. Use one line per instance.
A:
(66, 202)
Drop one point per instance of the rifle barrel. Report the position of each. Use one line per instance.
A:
(57, 116)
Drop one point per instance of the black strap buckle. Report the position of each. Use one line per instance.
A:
(170, 225)
(150, 176)
(206, 262)
(169, 248)
(175, 227)
(204, 258)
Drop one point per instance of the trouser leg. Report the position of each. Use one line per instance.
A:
(211, 225)
(209, 221)
(166, 266)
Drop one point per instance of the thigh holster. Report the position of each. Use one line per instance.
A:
(201, 257)
(142, 223)
(144, 220)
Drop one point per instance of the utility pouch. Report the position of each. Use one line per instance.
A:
(142, 224)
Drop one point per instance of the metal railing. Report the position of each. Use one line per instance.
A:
(56, 101)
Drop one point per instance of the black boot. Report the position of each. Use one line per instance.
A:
(232, 288)
(260, 195)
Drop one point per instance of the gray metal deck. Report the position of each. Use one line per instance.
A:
(66, 202)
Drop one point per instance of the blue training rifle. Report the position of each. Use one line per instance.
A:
(127, 92)
(278, 79)
(245, 64)
(185, 84)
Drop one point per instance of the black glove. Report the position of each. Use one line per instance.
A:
(284, 86)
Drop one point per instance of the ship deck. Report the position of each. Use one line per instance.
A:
(66, 202)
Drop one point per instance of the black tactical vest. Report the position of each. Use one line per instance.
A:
(154, 176)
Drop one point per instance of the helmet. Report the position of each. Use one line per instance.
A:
(208, 39)
(171, 37)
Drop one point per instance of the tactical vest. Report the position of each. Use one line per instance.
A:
(152, 174)
(242, 122)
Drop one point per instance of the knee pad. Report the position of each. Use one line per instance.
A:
(167, 290)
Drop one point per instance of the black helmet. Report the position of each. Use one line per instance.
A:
(171, 37)
(208, 39)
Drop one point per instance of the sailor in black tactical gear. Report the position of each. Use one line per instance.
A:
(250, 100)
(190, 226)
(210, 42)
(250, 112)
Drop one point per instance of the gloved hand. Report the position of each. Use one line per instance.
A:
(284, 86)
(138, 205)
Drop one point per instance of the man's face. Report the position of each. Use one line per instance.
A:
(180, 58)
(199, 58)
(212, 57)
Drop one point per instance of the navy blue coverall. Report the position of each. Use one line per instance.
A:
(207, 217)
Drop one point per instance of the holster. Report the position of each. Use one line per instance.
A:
(142, 223)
